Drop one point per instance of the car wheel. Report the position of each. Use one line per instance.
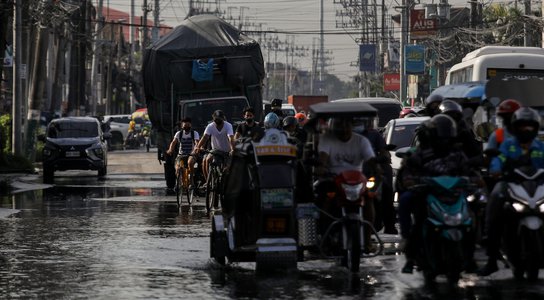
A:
(48, 175)
(103, 171)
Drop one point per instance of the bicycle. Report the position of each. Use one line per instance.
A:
(184, 181)
(215, 179)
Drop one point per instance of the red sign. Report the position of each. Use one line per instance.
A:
(421, 27)
(391, 82)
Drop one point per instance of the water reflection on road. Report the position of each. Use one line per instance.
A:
(131, 242)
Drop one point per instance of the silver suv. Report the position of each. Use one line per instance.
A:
(118, 130)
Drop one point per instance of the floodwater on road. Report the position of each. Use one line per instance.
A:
(126, 239)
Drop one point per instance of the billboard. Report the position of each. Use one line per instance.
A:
(367, 58)
(415, 59)
(391, 82)
(420, 27)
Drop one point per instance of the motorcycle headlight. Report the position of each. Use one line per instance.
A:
(541, 208)
(520, 207)
(453, 220)
(371, 183)
(353, 192)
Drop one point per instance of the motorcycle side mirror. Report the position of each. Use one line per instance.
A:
(403, 152)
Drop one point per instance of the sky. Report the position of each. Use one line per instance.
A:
(299, 18)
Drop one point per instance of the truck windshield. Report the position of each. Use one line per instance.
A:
(201, 112)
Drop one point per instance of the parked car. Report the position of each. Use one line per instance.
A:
(74, 143)
(118, 130)
(388, 108)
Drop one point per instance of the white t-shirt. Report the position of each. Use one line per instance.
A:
(220, 139)
(344, 156)
(186, 144)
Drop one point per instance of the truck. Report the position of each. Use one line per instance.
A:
(202, 65)
(303, 102)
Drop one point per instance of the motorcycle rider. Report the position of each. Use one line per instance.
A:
(465, 136)
(222, 138)
(187, 139)
(435, 155)
(505, 111)
(250, 127)
(340, 149)
(523, 148)
(432, 104)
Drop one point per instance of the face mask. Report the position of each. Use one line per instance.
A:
(187, 129)
(526, 136)
(249, 120)
(218, 121)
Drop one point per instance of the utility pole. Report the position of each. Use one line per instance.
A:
(405, 8)
(156, 22)
(16, 138)
(321, 47)
(131, 54)
(527, 41)
(144, 25)
(97, 51)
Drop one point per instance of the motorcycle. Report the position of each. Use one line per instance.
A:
(332, 224)
(445, 231)
(523, 235)
(133, 140)
(257, 221)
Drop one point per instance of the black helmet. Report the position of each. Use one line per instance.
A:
(452, 109)
(525, 117)
(431, 104)
(443, 127)
(433, 98)
(288, 121)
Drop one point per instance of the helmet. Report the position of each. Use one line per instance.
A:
(271, 120)
(508, 106)
(289, 121)
(431, 104)
(433, 98)
(300, 117)
(523, 119)
(452, 109)
(276, 102)
(443, 127)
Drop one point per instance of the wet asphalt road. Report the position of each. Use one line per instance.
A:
(123, 238)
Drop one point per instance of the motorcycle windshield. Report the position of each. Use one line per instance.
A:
(276, 175)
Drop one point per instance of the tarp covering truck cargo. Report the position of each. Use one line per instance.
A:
(202, 58)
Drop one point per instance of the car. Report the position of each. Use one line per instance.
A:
(388, 108)
(400, 133)
(118, 130)
(286, 108)
(74, 143)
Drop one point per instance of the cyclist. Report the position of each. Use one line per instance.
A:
(250, 127)
(221, 135)
(187, 139)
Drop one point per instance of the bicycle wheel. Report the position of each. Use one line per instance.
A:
(191, 188)
(179, 188)
(210, 191)
(217, 191)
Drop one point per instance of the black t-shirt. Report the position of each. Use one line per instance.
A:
(248, 131)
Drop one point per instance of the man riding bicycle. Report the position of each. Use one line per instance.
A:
(222, 138)
(187, 139)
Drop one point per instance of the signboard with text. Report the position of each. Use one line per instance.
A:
(391, 82)
(419, 26)
(415, 59)
(367, 58)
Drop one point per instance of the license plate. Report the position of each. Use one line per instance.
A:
(72, 153)
(276, 225)
(275, 198)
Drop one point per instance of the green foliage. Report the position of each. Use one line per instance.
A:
(5, 133)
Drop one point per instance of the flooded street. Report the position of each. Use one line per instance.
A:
(124, 238)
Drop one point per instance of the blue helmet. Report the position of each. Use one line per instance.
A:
(271, 121)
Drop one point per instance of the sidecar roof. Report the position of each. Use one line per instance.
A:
(342, 109)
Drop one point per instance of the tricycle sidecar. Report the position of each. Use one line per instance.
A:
(258, 221)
